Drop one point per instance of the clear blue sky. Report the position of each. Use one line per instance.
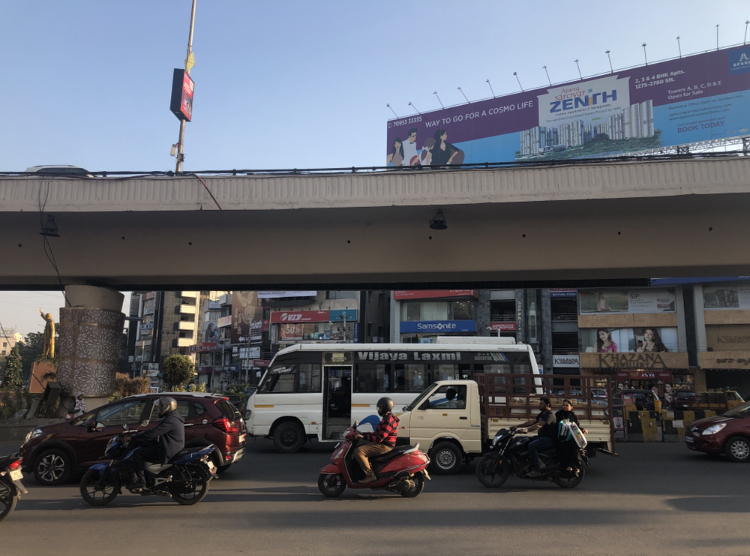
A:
(295, 84)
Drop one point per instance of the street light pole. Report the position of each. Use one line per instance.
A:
(180, 155)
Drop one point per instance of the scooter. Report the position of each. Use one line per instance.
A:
(402, 470)
(508, 456)
(185, 478)
(10, 484)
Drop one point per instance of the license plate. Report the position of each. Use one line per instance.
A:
(211, 465)
(16, 475)
(689, 440)
(242, 438)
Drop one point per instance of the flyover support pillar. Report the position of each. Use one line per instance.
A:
(90, 328)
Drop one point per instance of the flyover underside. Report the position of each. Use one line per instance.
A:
(604, 239)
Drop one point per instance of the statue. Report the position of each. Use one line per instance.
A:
(49, 335)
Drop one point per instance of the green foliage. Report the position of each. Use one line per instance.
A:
(30, 350)
(126, 386)
(178, 371)
(13, 376)
(200, 388)
(13, 400)
(236, 389)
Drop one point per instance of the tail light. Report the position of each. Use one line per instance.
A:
(15, 465)
(226, 425)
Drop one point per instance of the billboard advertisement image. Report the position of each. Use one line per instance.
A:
(632, 340)
(676, 102)
(733, 296)
(627, 301)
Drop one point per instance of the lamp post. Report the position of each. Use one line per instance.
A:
(180, 155)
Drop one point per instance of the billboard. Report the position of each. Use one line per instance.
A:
(181, 103)
(733, 296)
(431, 294)
(691, 99)
(627, 301)
(244, 307)
(632, 340)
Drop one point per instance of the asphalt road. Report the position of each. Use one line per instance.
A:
(654, 499)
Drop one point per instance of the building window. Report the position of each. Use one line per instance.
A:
(341, 295)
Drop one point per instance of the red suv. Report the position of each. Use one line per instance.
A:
(723, 434)
(53, 452)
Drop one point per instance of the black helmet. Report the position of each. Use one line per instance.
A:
(166, 406)
(384, 406)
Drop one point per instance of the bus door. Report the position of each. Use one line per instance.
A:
(337, 412)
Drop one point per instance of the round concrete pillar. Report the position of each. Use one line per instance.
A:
(90, 340)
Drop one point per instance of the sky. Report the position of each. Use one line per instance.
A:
(294, 83)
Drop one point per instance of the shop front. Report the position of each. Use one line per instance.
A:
(328, 325)
(427, 314)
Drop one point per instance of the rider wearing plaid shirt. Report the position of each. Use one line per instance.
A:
(379, 442)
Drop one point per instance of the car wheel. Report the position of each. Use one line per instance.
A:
(52, 467)
(446, 458)
(289, 437)
(738, 449)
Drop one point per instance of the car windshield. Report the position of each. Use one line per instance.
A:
(739, 411)
(418, 400)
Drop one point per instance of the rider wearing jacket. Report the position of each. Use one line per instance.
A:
(170, 433)
(379, 442)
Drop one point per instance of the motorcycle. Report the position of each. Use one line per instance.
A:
(402, 470)
(185, 478)
(508, 456)
(10, 484)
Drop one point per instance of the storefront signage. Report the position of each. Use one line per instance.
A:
(261, 362)
(724, 360)
(631, 361)
(439, 326)
(281, 295)
(204, 347)
(503, 326)
(569, 361)
(148, 311)
(300, 316)
(430, 294)
(147, 326)
(224, 321)
(181, 103)
(664, 376)
(562, 293)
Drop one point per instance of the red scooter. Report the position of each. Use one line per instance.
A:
(402, 470)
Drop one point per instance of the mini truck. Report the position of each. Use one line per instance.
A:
(456, 420)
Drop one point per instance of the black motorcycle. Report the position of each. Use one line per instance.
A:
(185, 478)
(509, 454)
(10, 484)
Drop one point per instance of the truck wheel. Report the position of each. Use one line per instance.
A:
(446, 459)
(738, 449)
(491, 473)
(289, 437)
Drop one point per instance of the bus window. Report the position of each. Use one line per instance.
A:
(498, 368)
(446, 372)
(372, 377)
(522, 368)
(309, 377)
(411, 378)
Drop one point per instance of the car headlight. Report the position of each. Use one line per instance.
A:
(713, 430)
(33, 434)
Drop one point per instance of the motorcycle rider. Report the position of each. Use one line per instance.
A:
(546, 424)
(171, 439)
(379, 442)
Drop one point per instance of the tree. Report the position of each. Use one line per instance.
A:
(30, 350)
(178, 371)
(13, 371)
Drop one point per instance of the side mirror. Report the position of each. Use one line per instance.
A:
(97, 427)
(145, 423)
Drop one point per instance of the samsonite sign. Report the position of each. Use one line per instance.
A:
(439, 326)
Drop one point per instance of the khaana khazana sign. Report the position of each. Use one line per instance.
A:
(694, 98)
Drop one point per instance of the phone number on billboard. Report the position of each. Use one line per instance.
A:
(405, 121)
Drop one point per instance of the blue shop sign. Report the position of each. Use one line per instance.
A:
(438, 326)
(336, 315)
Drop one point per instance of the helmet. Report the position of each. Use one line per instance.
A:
(384, 406)
(166, 406)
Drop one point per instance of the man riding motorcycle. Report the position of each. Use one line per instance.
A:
(379, 442)
(171, 439)
(546, 424)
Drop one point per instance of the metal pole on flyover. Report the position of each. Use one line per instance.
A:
(180, 156)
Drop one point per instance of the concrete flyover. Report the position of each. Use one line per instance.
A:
(593, 221)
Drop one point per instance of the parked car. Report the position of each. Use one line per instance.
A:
(683, 400)
(53, 452)
(727, 434)
(643, 400)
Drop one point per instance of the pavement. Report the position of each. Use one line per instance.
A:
(654, 499)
